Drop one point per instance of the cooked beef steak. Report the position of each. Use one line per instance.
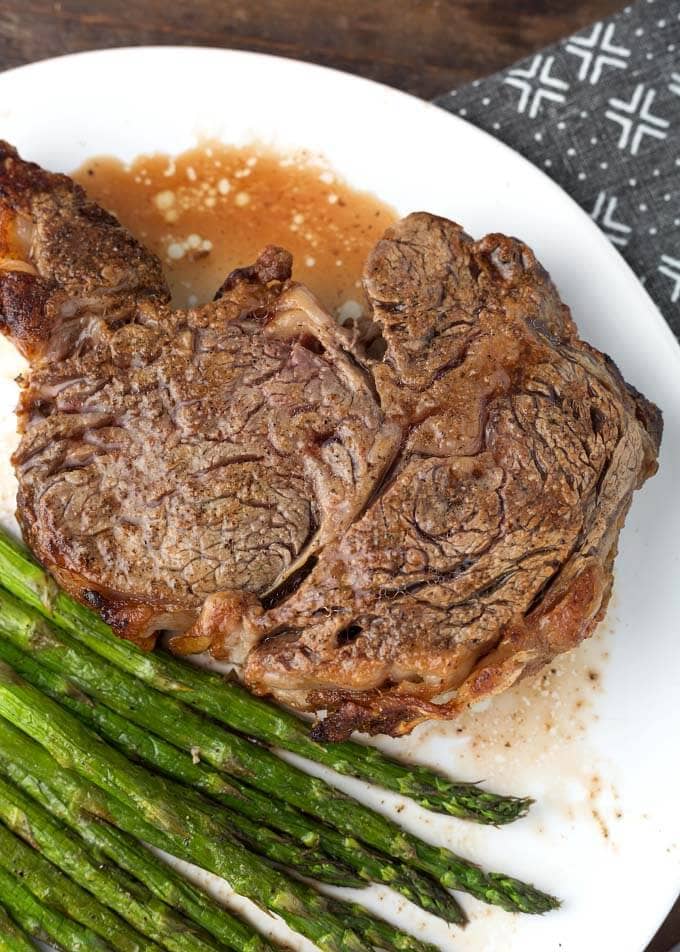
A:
(359, 533)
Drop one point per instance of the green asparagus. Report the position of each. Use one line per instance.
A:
(12, 938)
(44, 922)
(136, 901)
(275, 846)
(234, 706)
(163, 805)
(131, 899)
(91, 811)
(179, 724)
(168, 885)
(384, 936)
(138, 744)
(50, 886)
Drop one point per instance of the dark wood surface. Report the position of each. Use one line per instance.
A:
(423, 46)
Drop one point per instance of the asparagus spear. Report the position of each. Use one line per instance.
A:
(43, 922)
(132, 900)
(91, 811)
(136, 901)
(12, 938)
(138, 744)
(233, 754)
(234, 706)
(163, 805)
(275, 846)
(310, 862)
(382, 935)
(50, 886)
(168, 885)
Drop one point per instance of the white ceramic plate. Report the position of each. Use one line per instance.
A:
(597, 743)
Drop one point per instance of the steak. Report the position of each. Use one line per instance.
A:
(360, 518)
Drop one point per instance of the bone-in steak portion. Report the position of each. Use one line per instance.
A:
(360, 533)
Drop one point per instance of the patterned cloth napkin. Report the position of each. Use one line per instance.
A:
(600, 113)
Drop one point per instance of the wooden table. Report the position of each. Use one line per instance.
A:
(423, 46)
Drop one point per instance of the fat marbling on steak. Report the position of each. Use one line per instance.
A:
(357, 533)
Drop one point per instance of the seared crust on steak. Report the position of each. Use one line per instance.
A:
(361, 535)
(166, 455)
(488, 549)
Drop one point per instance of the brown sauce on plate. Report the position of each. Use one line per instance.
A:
(213, 208)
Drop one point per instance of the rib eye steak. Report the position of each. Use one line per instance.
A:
(359, 531)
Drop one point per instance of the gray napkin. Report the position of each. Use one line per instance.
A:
(600, 113)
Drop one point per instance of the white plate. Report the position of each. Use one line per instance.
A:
(616, 752)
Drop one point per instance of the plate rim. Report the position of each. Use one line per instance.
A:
(354, 78)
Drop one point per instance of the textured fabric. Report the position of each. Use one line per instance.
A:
(600, 113)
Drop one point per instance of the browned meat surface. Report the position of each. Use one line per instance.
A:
(358, 533)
